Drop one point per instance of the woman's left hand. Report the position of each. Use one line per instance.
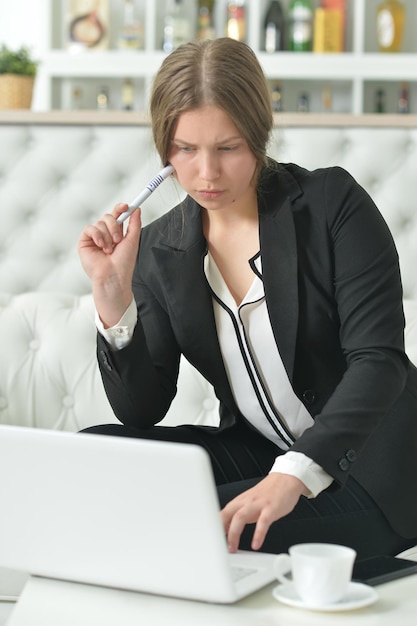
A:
(272, 498)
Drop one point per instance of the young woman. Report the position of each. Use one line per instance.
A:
(282, 287)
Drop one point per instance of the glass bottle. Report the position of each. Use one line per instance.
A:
(128, 95)
(276, 97)
(303, 103)
(177, 25)
(131, 33)
(103, 99)
(403, 99)
(380, 101)
(236, 20)
(330, 26)
(390, 20)
(205, 20)
(327, 98)
(274, 27)
(77, 96)
(300, 23)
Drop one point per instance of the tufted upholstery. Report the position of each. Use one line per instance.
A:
(50, 378)
(55, 178)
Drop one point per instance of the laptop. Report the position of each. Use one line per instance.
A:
(123, 513)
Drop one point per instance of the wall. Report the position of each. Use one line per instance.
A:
(22, 23)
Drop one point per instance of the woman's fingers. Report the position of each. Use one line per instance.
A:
(272, 498)
(106, 233)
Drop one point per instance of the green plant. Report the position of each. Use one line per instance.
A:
(18, 62)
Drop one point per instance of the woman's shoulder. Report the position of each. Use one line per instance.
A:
(303, 174)
(331, 182)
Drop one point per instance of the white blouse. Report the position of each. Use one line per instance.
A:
(256, 374)
(258, 379)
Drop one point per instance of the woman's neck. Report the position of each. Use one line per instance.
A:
(233, 239)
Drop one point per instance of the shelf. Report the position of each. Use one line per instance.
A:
(285, 65)
(353, 75)
(388, 66)
(112, 63)
(140, 118)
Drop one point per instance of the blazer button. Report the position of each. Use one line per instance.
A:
(351, 456)
(309, 396)
(344, 465)
(105, 361)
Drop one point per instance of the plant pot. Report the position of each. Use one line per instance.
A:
(16, 91)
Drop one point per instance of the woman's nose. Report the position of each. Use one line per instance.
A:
(209, 167)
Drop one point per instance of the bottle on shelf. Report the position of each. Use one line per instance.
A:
(236, 20)
(276, 97)
(300, 26)
(390, 20)
(327, 99)
(128, 95)
(380, 101)
(131, 34)
(77, 99)
(205, 20)
(303, 103)
(403, 99)
(274, 27)
(329, 26)
(177, 25)
(103, 99)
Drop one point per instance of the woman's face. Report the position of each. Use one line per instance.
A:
(212, 161)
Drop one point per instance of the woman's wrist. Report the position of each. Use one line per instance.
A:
(111, 304)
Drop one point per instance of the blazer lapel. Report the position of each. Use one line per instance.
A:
(179, 258)
(279, 261)
(180, 253)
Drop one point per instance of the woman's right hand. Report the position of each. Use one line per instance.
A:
(108, 257)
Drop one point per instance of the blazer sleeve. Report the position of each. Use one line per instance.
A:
(141, 379)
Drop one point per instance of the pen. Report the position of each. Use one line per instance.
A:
(150, 187)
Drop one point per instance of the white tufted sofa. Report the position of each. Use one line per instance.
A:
(60, 171)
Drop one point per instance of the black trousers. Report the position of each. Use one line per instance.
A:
(241, 457)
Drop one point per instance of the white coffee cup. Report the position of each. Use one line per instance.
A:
(321, 572)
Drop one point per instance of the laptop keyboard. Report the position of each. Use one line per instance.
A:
(241, 572)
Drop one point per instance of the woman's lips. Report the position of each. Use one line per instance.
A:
(209, 194)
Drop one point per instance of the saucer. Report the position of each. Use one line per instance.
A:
(358, 596)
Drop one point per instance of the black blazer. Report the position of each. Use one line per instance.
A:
(334, 297)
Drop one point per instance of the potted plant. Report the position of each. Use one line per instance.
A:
(17, 76)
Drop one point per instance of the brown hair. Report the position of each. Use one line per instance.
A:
(222, 72)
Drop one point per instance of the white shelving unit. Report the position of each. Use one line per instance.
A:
(353, 76)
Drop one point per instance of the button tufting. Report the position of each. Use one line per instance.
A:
(30, 216)
(68, 401)
(375, 184)
(34, 344)
(29, 141)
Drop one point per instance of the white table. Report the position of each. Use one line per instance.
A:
(52, 602)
